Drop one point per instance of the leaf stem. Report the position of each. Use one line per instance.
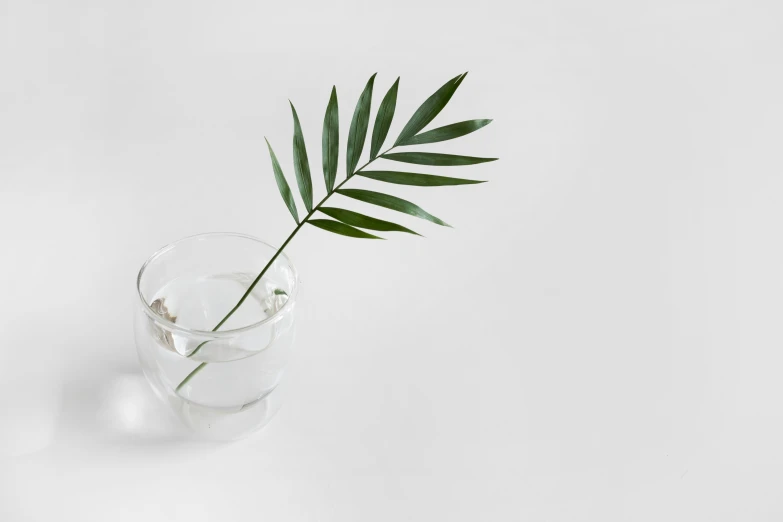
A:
(191, 375)
(264, 270)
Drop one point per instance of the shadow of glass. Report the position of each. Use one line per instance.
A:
(117, 410)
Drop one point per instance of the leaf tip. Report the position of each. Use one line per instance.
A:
(459, 80)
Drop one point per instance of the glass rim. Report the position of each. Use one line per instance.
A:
(219, 334)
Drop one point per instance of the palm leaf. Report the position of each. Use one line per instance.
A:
(341, 228)
(435, 159)
(358, 131)
(282, 184)
(346, 222)
(429, 109)
(330, 143)
(391, 202)
(384, 119)
(418, 180)
(301, 165)
(449, 132)
(361, 221)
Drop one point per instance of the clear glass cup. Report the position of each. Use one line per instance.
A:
(225, 384)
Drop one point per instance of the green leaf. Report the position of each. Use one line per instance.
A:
(282, 184)
(341, 228)
(449, 132)
(429, 109)
(419, 180)
(360, 220)
(434, 159)
(358, 132)
(384, 119)
(330, 144)
(391, 202)
(301, 165)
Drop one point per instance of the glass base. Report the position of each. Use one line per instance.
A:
(213, 424)
(223, 424)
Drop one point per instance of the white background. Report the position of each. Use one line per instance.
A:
(598, 339)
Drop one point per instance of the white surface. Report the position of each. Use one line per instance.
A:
(599, 338)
